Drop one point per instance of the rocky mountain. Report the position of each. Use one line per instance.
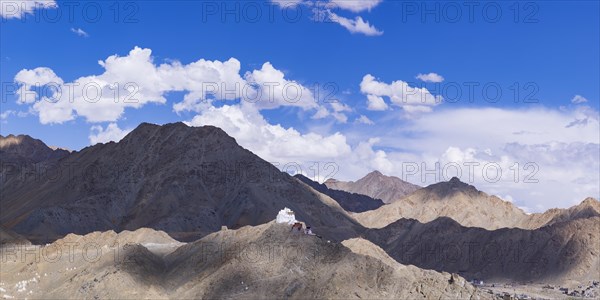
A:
(557, 253)
(23, 156)
(23, 149)
(7, 237)
(454, 199)
(470, 207)
(186, 181)
(351, 202)
(265, 261)
(375, 185)
(588, 208)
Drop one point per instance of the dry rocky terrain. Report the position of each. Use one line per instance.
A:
(186, 181)
(564, 252)
(469, 207)
(375, 185)
(125, 208)
(265, 261)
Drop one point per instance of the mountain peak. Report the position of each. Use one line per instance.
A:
(454, 185)
(177, 125)
(179, 131)
(24, 148)
(376, 185)
(590, 202)
(331, 180)
(175, 178)
(146, 124)
(12, 139)
(455, 180)
(375, 174)
(349, 201)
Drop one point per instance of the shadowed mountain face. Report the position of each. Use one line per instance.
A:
(9, 237)
(349, 201)
(375, 185)
(186, 181)
(23, 156)
(554, 253)
(265, 261)
(23, 149)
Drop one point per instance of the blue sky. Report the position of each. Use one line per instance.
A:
(548, 52)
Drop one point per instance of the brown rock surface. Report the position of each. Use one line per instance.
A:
(266, 261)
(555, 253)
(186, 181)
(469, 207)
(375, 185)
(454, 199)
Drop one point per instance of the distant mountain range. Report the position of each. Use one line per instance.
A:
(351, 202)
(454, 199)
(190, 181)
(469, 207)
(375, 185)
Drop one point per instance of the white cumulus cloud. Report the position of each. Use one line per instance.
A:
(364, 120)
(376, 103)
(400, 93)
(282, 146)
(356, 5)
(16, 9)
(272, 89)
(543, 162)
(112, 133)
(430, 77)
(104, 97)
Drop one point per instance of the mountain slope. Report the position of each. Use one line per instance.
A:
(376, 185)
(349, 201)
(560, 253)
(265, 261)
(589, 207)
(23, 156)
(25, 149)
(8, 237)
(186, 181)
(454, 199)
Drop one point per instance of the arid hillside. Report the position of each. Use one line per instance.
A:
(375, 185)
(186, 181)
(471, 208)
(558, 253)
(266, 261)
(453, 199)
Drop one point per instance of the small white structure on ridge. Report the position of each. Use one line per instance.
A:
(286, 215)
